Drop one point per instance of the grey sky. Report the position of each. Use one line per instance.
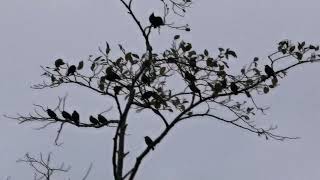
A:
(36, 32)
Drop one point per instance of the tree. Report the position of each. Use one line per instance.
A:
(141, 82)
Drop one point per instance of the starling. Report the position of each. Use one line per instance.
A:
(71, 70)
(189, 77)
(58, 63)
(269, 71)
(66, 115)
(93, 120)
(102, 119)
(51, 114)
(156, 21)
(110, 75)
(149, 142)
(234, 88)
(75, 117)
(195, 89)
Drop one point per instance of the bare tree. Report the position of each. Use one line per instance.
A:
(142, 83)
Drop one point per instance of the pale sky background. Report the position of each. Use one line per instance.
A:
(36, 32)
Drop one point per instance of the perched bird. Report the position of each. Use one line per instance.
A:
(93, 120)
(58, 63)
(195, 89)
(110, 75)
(269, 71)
(66, 115)
(51, 114)
(149, 142)
(234, 88)
(102, 119)
(71, 70)
(147, 95)
(189, 77)
(75, 117)
(156, 21)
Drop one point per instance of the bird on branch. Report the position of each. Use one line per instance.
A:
(102, 119)
(66, 115)
(156, 21)
(149, 142)
(93, 120)
(75, 117)
(51, 114)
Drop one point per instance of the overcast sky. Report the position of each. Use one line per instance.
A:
(36, 32)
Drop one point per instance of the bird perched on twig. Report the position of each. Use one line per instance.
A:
(93, 120)
(51, 114)
(66, 115)
(269, 71)
(149, 142)
(71, 70)
(102, 119)
(75, 118)
(234, 88)
(156, 21)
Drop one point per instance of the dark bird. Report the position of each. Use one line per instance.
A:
(75, 117)
(147, 95)
(110, 75)
(102, 119)
(195, 89)
(71, 70)
(189, 77)
(93, 120)
(58, 63)
(156, 21)
(234, 88)
(66, 115)
(149, 142)
(145, 79)
(269, 71)
(51, 114)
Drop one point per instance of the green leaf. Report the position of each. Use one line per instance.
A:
(188, 47)
(128, 57)
(265, 90)
(162, 70)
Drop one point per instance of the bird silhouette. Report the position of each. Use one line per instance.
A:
(234, 88)
(66, 115)
(149, 142)
(75, 118)
(93, 120)
(156, 21)
(110, 75)
(269, 71)
(71, 70)
(51, 114)
(58, 63)
(102, 119)
(195, 89)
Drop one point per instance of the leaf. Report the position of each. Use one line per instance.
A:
(97, 58)
(299, 55)
(162, 70)
(255, 59)
(93, 65)
(176, 37)
(128, 57)
(206, 52)
(135, 56)
(210, 62)
(188, 47)
(80, 65)
(230, 52)
(108, 48)
(291, 49)
(265, 90)
(300, 45)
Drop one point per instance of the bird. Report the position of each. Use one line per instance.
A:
(102, 119)
(149, 142)
(269, 71)
(93, 120)
(71, 70)
(75, 117)
(51, 114)
(234, 88)
(195, 89)
(110, 75)
(66, 115)
(156, 21)
(58, 63)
